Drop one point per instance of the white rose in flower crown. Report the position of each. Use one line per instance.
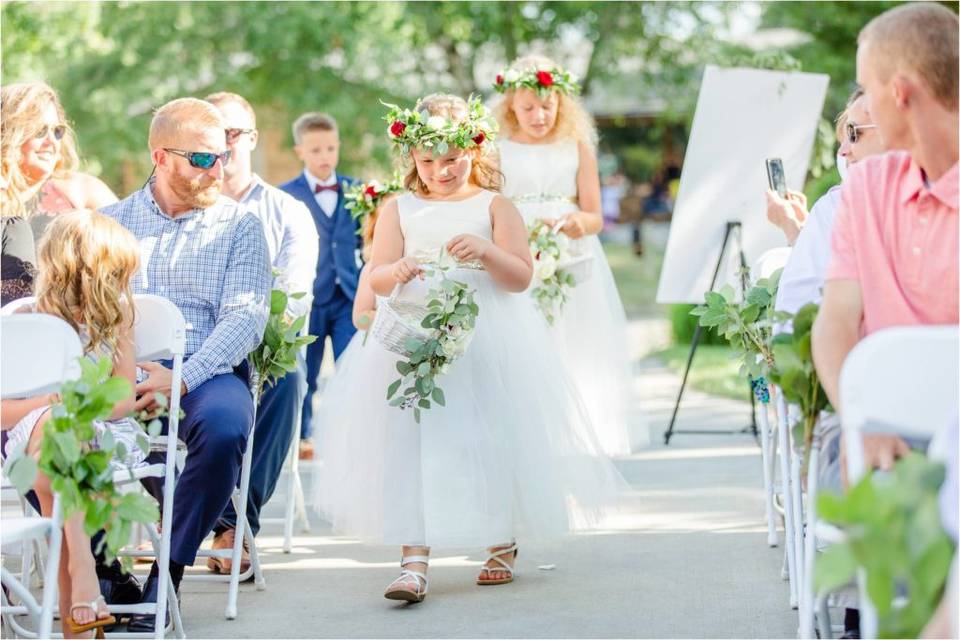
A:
(546, 267)
(511, 76)
(436, 122)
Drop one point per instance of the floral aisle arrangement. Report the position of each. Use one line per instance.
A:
(445, 333)
(892, 530)
(550, 250)
(79, 466)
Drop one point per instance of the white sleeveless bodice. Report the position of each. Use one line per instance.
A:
(541, 179)
(428, 225)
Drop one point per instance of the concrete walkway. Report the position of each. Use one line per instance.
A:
(686, 557)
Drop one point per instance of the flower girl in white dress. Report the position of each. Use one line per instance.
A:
(508, 450)
(549, 164)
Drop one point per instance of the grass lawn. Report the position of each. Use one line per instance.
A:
(636, 278)
(713, 370)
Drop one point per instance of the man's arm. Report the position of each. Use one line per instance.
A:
(835, 332)
(244, 306)
(297, 258)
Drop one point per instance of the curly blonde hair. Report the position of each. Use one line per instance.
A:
(484, 172)
(85, 263)
(573, 121)
(21, 107)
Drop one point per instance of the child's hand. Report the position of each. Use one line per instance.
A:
(573, 226)
(550, 222)
(406, 269)
(468, 248)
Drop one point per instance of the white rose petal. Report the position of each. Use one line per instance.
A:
(436, 122)
(511, 76)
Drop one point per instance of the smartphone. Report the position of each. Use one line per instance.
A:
(778, 182)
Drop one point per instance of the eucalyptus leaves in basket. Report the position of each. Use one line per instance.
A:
(450, 321)
(549, 249)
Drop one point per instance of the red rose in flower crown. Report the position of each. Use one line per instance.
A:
(479, 138)
(371, 191)
(545, 78)
(500, 79)
(397, 128)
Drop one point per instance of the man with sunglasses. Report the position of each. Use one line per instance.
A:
(293, 247)
(208, 255)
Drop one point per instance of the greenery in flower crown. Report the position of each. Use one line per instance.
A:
(542, 81)
(548, 249)
(416, 128)
(363, 199)
(450, 321)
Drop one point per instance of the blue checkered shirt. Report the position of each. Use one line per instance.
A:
(213, 264)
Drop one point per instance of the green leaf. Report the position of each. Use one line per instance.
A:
(22, 472)
(438, 396)
(392, 389)
(834, 568)
(278, 302)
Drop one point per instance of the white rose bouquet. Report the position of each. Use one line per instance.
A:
(550, 249)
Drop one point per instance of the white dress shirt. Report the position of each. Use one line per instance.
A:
(805, 272)
(326, 199)
(292, 240)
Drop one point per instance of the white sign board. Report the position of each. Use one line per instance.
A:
(743, 117)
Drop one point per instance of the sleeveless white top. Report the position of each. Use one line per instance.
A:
(525, 177)
(428, 225)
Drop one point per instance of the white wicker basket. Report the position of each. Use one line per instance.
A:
(397, 321)
(579, 266)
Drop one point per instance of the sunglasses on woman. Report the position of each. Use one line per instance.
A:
(853, 131)
(202, 159)
(59, 130)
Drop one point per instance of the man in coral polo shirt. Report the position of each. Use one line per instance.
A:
(895, 240)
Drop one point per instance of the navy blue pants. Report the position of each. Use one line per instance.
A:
(278, 417)
(335, 319)
(219, 415)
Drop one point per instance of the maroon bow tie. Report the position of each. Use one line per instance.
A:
(325, 187)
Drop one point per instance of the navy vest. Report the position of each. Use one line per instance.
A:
(339, 263)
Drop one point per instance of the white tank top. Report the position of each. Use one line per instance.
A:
(428, 225)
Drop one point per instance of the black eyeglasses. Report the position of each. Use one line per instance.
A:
(853, 131)
(202, 159)
(59, 130)
(233, 134)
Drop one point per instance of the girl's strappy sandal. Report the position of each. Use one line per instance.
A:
(98, 623)
(399, 589)
(497, 556)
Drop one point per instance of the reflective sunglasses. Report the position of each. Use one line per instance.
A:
(233, 134)
(202, 159)
(59, 130)
(853, 131)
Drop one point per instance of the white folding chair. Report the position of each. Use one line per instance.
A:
(294, 504)
(901, 381)
(40, 353)
(159, 334)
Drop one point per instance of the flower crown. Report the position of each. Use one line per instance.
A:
(410, 128)
(362, 199)
(542, 81)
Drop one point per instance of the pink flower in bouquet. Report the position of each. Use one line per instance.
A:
(397, 128)
(544, 78)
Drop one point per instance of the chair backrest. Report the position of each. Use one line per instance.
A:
(769, 261)
(15, 305)
(39, 353)
(159, 328)
(902, 380)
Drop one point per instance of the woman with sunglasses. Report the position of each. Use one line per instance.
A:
(39, 161)
(858, 139)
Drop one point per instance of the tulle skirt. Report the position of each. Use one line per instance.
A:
(512, 454)
(591, 336)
